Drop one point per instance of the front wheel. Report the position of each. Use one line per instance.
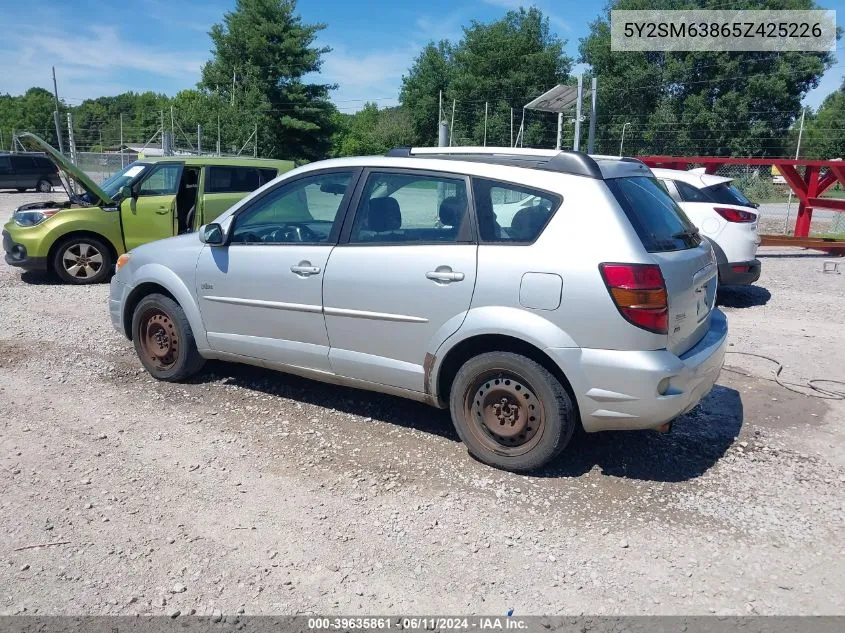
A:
(164, 340)
(510, 411)
(83, 260)
(44, 186)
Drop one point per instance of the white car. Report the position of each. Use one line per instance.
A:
(723, 215)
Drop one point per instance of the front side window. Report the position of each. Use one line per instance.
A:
(657, 219)
(162, 181)
(511, 213)
(303, 211)
(410, 208)
(690, 193)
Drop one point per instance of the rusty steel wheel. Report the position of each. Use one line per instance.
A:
(158, 338)
(510, 411)
(504, 412)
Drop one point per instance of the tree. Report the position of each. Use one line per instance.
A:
(30, 112)
(824, 135)
(371, 131)
(505, 64)
(262, 51)
(699, 103)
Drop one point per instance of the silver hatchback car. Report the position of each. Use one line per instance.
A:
(528, 291)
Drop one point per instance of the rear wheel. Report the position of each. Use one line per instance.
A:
(510, 411)
(82, 260)
(164, 340)
(44, 186)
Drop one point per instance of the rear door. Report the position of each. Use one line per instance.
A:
(224, 185)
(401, 278)
(685, 259)
(23, 169)
(152, 214)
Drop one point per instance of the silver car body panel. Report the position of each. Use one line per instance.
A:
(372, 317)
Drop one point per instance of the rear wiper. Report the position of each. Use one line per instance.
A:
(693, 232)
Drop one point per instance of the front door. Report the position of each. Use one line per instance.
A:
(151, 215)
(401, 281)
(261, 294)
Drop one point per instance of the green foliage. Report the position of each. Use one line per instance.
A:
(30, 112)
(505, 63)
(699, 103)
(371, 131)
(264, 46)
(824, 134)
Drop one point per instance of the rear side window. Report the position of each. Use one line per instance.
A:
(22, 163)
(5, 164)
(44, 164)
(511, 213)
(689, 193)
(727, 193)
(233, 179)
(266, 175)
(658, 221)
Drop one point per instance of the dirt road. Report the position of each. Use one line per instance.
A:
(248, 490)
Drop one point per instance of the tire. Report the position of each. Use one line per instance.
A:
(44, 186)
(494, 400)
(82, 260)
(21, 189)
(164, 340)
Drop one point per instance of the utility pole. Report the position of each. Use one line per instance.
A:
(559, 129)
(172, 131)
(452, 126)
(511, 127)
(576, 145)
(71, 148)
(591, 139)
(162, 133)
(199, 139)
(234, 74)
(121, 140)
(218, 134)
(439, 116)
(56, 114)
(485, 124)
(255, 142)
(797, 151)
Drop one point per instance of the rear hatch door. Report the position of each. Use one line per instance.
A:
(685, 259)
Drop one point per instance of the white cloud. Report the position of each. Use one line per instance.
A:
(371, 76)
(90, 62)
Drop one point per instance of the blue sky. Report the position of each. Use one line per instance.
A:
(104, 47)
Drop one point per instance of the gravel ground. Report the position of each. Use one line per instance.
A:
(251, 491)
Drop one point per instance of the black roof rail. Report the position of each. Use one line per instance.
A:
(576, 163)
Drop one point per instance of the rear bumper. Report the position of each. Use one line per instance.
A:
(739, 273)
(17, 255)
(618, 390)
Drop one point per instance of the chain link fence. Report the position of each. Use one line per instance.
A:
(101, 165)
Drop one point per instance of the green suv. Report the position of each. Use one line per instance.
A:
(81, 238)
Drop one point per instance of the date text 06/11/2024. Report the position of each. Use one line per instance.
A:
(416, 623)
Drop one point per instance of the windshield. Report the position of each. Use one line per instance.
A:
(126, 176)
(727, 193)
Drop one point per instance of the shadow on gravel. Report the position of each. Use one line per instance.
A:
(41, 278)
(380, 407)
(742, 296)
(697, 441)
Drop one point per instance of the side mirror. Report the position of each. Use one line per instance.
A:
(126, 192)
(211, 234)
(756, 205)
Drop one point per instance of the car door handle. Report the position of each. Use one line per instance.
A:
(305, 269)
(444, 276)
(162, 211)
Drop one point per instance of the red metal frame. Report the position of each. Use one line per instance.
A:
(808, 189)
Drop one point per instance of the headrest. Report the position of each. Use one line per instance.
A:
(527, 222)
(452, 211)
(384, 215)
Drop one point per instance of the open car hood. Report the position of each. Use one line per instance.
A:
(68, 169)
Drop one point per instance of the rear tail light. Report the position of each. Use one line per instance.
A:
(639, 292)
(735, 215)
